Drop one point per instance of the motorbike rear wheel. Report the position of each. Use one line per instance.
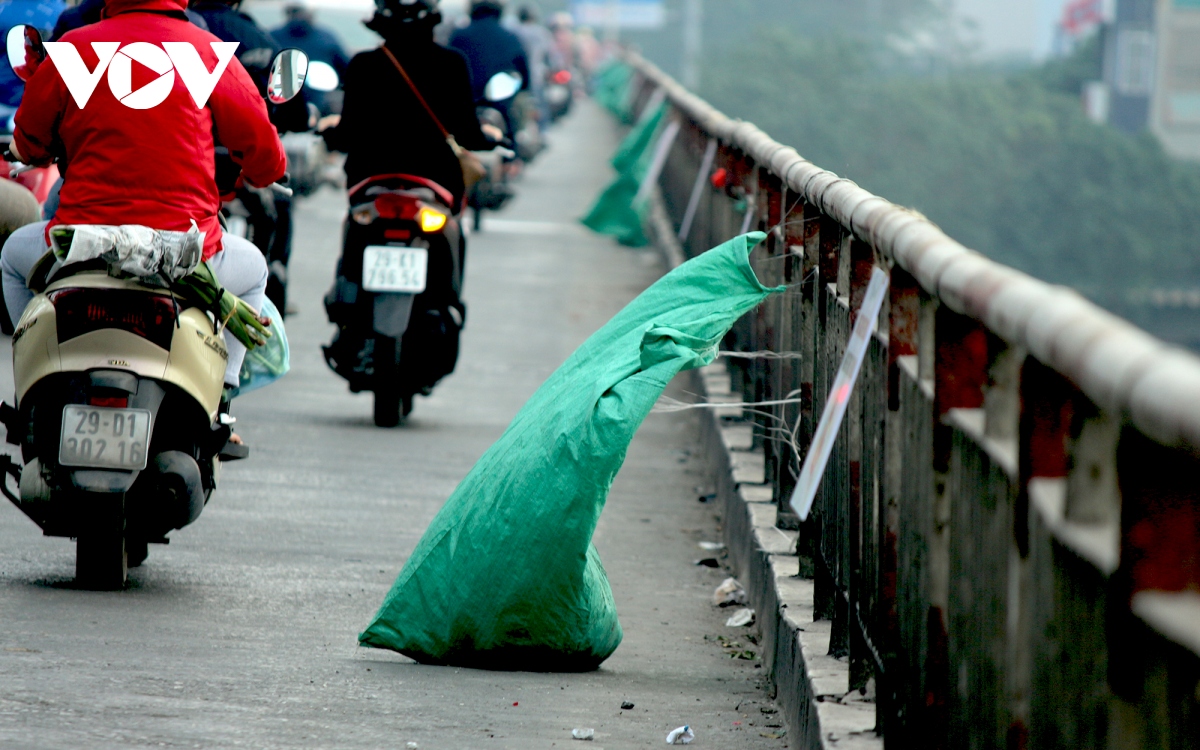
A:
(392, 405)
(101, 563)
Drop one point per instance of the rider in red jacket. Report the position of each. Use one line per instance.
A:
(153, 166)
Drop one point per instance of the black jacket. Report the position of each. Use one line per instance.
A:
(385, 130)
(257, 50)
(490, 49)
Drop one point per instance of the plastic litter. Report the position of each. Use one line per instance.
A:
(410, 746)
(583, 734)
(729, 593)
(626, 705)
(740, 619)
(712, 546)
(530, 505)
(681, 736)
(708, 562)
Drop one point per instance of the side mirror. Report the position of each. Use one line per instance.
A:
(322, 77)
(288, 71)
(25, 50)
(502, 86)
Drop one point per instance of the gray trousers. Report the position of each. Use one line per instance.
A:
(240, 268)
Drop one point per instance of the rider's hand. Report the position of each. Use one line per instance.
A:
(492, 132)
(327, 122)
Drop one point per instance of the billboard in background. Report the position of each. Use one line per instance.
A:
(630, 14)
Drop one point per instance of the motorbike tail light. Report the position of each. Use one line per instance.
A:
(431, 220)
(118, 402)
(80, 311)
(562, 77)
(397, 206)
(397, 234)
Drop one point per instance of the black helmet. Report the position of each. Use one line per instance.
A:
(409, 11)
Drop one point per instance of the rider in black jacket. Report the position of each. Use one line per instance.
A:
(271, 217)
(383, 128)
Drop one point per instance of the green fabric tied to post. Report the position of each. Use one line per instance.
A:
(617, 211)
(506, 576)
(613, 83)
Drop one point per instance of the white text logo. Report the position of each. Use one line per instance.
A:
(166, 61)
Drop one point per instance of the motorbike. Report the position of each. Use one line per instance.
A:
(495, 190)
(119, 412)
(396, 297)
(309, 164)
(558, 94)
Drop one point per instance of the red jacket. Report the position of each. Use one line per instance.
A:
(154, 166)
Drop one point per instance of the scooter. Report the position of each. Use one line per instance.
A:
(558, 94)
(119, 413)
(396, 297)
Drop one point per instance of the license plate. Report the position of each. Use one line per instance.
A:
(103, 437)
(394, 269)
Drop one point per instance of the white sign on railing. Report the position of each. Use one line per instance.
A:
(839, 396)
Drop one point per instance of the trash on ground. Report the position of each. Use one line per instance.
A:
(626, 705)
(707, 498)
(776, 735)
(729, 593)
(530, 505)
(681, 736)
(410, 746)
(707, 562)
(583, 734)
(740, 619)
(712, 546)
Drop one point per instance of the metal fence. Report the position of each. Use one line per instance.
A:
(1007, 537)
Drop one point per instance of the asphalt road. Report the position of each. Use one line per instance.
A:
(243, 632)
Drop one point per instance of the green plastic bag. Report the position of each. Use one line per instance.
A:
(617, 212)
(265, 364)
(505, 576)
(613, 82)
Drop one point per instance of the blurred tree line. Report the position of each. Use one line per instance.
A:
(1005, 162)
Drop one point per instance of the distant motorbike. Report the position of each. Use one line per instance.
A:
(396, 297)
(558, 94)
(119, 413)
(308, 159)
(39, 180)
(494, 190)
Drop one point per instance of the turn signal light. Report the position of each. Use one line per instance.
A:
(431, 221)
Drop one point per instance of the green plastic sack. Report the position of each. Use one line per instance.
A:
(505, 576)
(617, 212)
(613, 82)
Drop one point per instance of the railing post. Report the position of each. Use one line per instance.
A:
(960, 371)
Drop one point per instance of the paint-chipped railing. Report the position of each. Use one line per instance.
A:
(1007, 537)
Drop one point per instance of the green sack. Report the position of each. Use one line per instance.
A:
(613, 82)
(505, 576)
(616, 212)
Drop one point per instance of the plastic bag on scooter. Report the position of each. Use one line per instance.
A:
(133, 249)
(265, 364)
(506, 577)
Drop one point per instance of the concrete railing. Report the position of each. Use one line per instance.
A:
(1007, 537)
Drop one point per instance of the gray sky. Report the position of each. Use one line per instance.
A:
(1014, 27)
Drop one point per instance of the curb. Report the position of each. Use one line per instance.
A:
(811, 687)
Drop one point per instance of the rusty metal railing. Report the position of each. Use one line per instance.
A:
(1007, 537)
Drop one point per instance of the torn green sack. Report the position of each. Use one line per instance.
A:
(506, 577)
